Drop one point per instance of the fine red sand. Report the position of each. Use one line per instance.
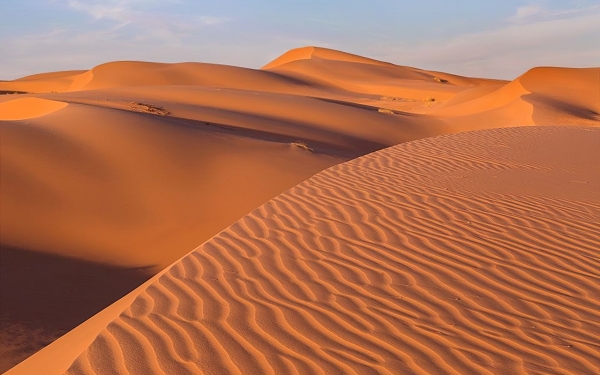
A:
(110, 175)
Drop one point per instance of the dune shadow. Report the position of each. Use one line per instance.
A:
(540, 101)
(12, 92)
(43, 296)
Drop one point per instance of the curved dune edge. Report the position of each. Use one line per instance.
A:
(467, 253)
(307, 53)
(51, 75)
(303, 53)
(27, 108)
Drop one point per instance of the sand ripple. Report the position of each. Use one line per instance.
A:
(423, 258)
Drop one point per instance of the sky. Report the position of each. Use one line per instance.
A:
(495, 39)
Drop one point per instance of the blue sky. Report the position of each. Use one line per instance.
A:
(499, 39)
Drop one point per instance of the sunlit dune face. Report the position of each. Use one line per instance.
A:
(27, 108)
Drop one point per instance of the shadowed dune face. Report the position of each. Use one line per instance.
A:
(43, 296)
(563, 96)
(574, 86)
(126, 185)
(542, 96)
(467, 253)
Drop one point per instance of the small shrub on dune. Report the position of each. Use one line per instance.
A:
(385, 110)
(302, 145)
(429, 101)
(147, 108)
(440, 80)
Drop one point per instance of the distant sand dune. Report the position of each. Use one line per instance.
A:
(358, 74)
(49, 82)
(51, 75)
(307, 53)
(436, 256)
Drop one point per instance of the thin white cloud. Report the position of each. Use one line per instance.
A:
(140, 14)
(211, 21)
(114, 10)
(538, 12)
(541, 37)
(527, 11)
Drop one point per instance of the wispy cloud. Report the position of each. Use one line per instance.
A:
(533, 36)
(113, 30)
(116, 10)
(540, 12)
(211, 20)
(145, 16)
(527, 11)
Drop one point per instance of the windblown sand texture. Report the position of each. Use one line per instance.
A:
(474, 253)
(110, 175)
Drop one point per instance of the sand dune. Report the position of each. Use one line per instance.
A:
(540, 96)
(358, 74)
(122, 169)
(469, 253)
(27, 108)
(47, 82)
(307, 53)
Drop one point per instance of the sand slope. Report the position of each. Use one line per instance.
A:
(469, 253)
(122, 169)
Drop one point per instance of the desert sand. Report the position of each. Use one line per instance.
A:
(108, 176)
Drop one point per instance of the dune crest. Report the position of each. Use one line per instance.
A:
(307, 53)
(302, 53)
(422, 258)
(51, 75)
(28, 108)
(48, 82)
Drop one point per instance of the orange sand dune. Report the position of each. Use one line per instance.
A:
(358, 74)
(467, 253)
(541, 96)
(579, 87)
(563, 95)
(307, 53)
(134, 73)
(120, 170)
(51, 75)
(47, 82)
(27, 108)
(120, 74)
